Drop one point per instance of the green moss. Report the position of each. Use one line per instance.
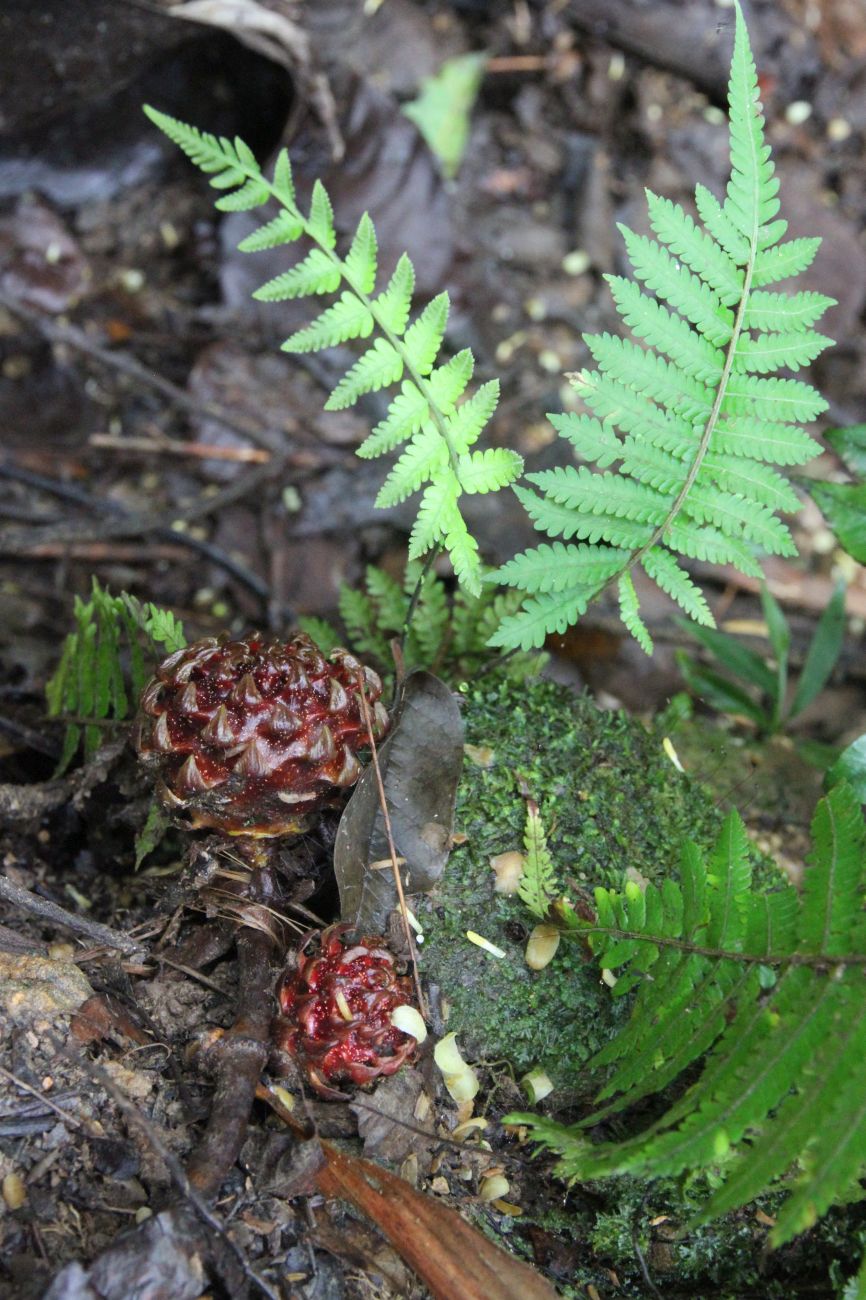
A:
(610, 799)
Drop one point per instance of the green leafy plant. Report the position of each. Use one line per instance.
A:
(754, 689)
(444, 105)
(695, 422)
(92, 687)
(431, 413)
(446, 634)
(844, 504)
(764, 987)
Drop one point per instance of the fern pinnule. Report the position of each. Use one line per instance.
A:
(767, 987)
(684, 422)
(430, 415)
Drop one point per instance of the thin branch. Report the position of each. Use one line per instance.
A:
(48, 911)
(431, 559)
(123, 364)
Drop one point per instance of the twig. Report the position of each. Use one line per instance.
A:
(22, 803)
(834, 961)
(416, 596)
(72, 1120)
(126, 525)
(48, 911)
(172, 447)
(395, 865)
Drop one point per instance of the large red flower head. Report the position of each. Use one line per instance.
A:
(249, 736)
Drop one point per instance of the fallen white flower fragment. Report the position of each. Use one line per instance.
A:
(459, 1078)
(479, 939)
(409, 1021)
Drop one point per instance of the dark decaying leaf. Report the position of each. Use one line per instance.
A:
(162, 1257)
(420, 764)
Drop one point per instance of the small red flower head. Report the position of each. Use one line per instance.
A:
(336, 1007)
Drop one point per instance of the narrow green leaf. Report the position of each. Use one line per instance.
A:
(663, 569)
(731, 653)
(844, 507)
(720, 693)
(850, 444)
(850, 767)
(315, 273)
(424, 336)
(488, 471)
(285, 228)
(321, 223)
(348, 318)
(394, 301)
(407, 412)
(556, 567)
(823, 653)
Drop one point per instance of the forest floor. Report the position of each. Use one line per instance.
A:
(154, 436)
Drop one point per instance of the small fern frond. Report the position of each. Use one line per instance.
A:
(440, 631)
(767, 988)
(431, 412)
(537, 887)
(105, 664)
(683, 421)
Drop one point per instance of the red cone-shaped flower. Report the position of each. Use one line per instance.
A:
(249, 736)
(336, 1009)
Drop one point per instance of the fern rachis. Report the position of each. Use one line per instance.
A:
(430, 414)
(692, 412)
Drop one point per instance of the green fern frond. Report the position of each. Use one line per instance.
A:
(767, 990)
(683, 422)
(90, 683)
(431, 412)
(537, 886)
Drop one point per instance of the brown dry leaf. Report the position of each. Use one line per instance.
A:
(451, 1257)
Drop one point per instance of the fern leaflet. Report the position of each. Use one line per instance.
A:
(430, 413)
(682, 424)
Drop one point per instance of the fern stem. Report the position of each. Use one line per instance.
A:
(431, 559)
(834, 961)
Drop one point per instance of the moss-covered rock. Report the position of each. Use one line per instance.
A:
(610, 799)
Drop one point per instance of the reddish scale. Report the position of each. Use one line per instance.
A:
(249, 736)
(313, 1028)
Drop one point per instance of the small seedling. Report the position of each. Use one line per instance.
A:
(755, 688)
